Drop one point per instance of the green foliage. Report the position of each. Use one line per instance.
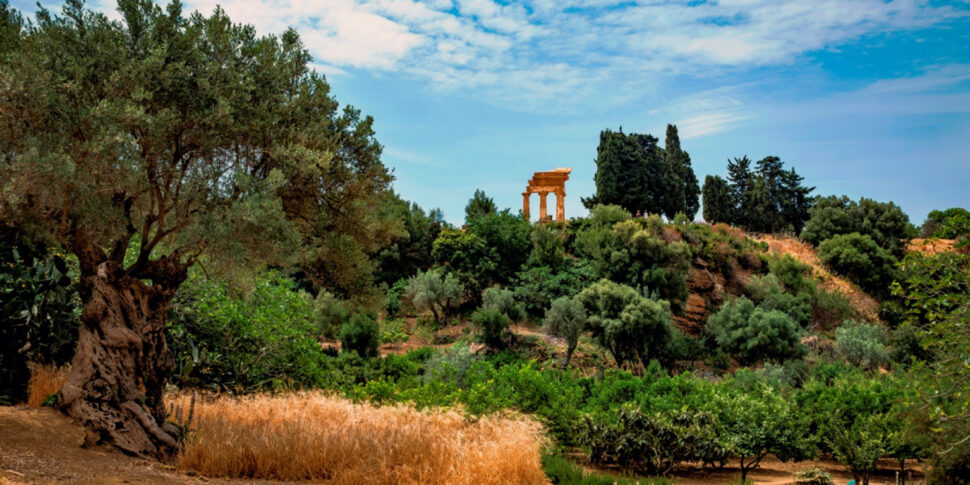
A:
(635, 253)
(548, 248)
(753, 334)
(360, 334)
(718, 202)
(507, 238)
(935, 296)
(478, 206)
(410, 251)
(435, 291)
(561, 471)
(39, 310)
(604, 215)
(537, 287)
(813, 476)
(862, 344)
(393, 331)
(629, 173)
(860, 259)
(502, 301)
(329, 314)
(680, 189)
(767, 198)
(651, 443)
(566, 318)
(625, 323)
(756, 422)
(468, 257)
(884, 222)
(493, 327)
(261, 340)
(768, 293)
(859, 443)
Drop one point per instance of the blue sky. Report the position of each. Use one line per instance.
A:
(863, 97)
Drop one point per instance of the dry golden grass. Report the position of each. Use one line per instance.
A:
(313, 436)
(931, 246)
(44, 381)
(804, 252)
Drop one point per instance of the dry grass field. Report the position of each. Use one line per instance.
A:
(313, 436)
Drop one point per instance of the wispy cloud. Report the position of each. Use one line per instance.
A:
(548, 55)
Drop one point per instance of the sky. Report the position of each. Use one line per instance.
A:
(863, 97)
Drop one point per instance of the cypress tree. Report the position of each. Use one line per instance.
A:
(718, 201)
(739, 173)
(673, 199)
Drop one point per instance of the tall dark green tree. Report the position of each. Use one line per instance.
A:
(741, 178)
(681, 191)
(626, 171)
(718, 200)
(181, 140)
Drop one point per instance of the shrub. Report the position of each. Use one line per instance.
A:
(884, 222)
(647, 443)
(503, 301)
(330, 314)
(860, 443)
(861, 260)
(360, 334)
(753, 334)
(537, 287)
(507, 237)
(393, 331)
(625, 323)
(260, 340)
(547, 248)
(432, 290)
(493, 327)
(468, 257)
(39, 310)
(829, 308)
(768, 294)
(566, 318)
(862, 344)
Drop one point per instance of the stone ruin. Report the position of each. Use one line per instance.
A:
(544, 183)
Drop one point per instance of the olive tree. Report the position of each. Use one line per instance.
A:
(566, 318)
(175, 141)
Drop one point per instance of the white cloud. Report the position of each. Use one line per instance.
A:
(546, 55)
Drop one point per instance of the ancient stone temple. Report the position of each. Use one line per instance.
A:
(544, 183)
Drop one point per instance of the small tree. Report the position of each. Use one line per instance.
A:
(503, 301)
(360, 334)
(862, 344)
(479, 205)
(862, 441)
(754, 334)
(625, 323)
(493, 326)
(435, 291)
(860, 259)
(566, 318)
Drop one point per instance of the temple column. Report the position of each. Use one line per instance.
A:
(542, 205)
(525, 204)
(560, 205)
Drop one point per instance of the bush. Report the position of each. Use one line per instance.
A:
(330, 314)
(768, 294)
(503, 301)
(261, 340)
(39, 310)
(360, 334)
(393, 331)
(862, 344)
(537, 287)
(884, 222)
(753, 334)
(432, 290)
(647, 443)
(625, 323)
(861, 260)
(493, 327)
(507, 237)
(469, 258)
(566, 318)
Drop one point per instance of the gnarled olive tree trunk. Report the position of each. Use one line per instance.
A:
(122, 362)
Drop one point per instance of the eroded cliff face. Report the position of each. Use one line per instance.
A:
(708, 288)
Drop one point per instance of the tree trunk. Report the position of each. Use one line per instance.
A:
(122, 363)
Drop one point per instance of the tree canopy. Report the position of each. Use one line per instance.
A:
(185, 140)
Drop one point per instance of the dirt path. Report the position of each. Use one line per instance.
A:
(41, 445)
